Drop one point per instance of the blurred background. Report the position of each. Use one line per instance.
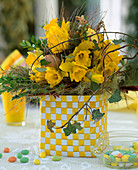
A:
(20, 19)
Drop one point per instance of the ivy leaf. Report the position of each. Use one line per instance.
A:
(50, 125)
(41, 69)
(116, 42)
(97, 115)
(94, 86)
(116, 97)
(67, 130)
(44, 62)
(77, 125)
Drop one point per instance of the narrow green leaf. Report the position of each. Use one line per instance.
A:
(41, 69)
(28, 43)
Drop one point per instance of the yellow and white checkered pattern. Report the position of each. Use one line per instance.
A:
(60, 110)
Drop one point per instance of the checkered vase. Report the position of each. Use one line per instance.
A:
(60, 110)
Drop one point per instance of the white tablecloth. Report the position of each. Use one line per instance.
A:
(27, 137)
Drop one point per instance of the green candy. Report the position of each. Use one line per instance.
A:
(111, 157)
(132, 157)
(123, 152)
(0, 155)
(56, 158)
(19, 155)
(25, 152)
(24, 160)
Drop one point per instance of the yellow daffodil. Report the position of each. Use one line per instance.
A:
(83, 46)
(56, 34)
(36, 75)
(82, 58)
(32, 56)
(52, 23)
(91, 32)
(77, 72)
(54, 76)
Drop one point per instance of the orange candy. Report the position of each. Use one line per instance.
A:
(12, 159)
(6, 150)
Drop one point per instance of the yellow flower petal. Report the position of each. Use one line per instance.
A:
(98, 78)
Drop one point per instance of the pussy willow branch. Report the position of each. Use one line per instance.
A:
(80, 39)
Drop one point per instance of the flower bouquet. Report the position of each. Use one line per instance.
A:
(75, 63)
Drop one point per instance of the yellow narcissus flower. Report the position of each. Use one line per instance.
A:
(91, 32)
(77, 72)
(83, 46)
(52, 23)
(54, 76)
(82, 58)
(32, 56)
(56, 34)
(36, 75)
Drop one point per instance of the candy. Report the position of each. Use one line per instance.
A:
(12, 159)
(114, 164)
(24, 160)
(0, 155)
(131, 150)
(117, 159)
(132, 157)
(117, 147)
(119, 155)
(6, 150)
(106, 156)
(42, 155)
(111, 157)
(56, 158)
(25, 152)
(36, 161)
(19, 155)
(125, 158)
(115, 153)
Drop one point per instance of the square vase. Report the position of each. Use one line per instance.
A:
(60, 110)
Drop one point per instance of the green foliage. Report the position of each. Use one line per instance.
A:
(116, 42)
(41, 69)
(71, 128)
(50, 125)
(97, 115)
(131, 74)
(116, 97)
(33, 44)
(44, 62)
(94, 86)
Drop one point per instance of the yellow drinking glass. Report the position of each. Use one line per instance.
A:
(15, 112)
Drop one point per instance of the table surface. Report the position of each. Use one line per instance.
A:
(27, 137)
